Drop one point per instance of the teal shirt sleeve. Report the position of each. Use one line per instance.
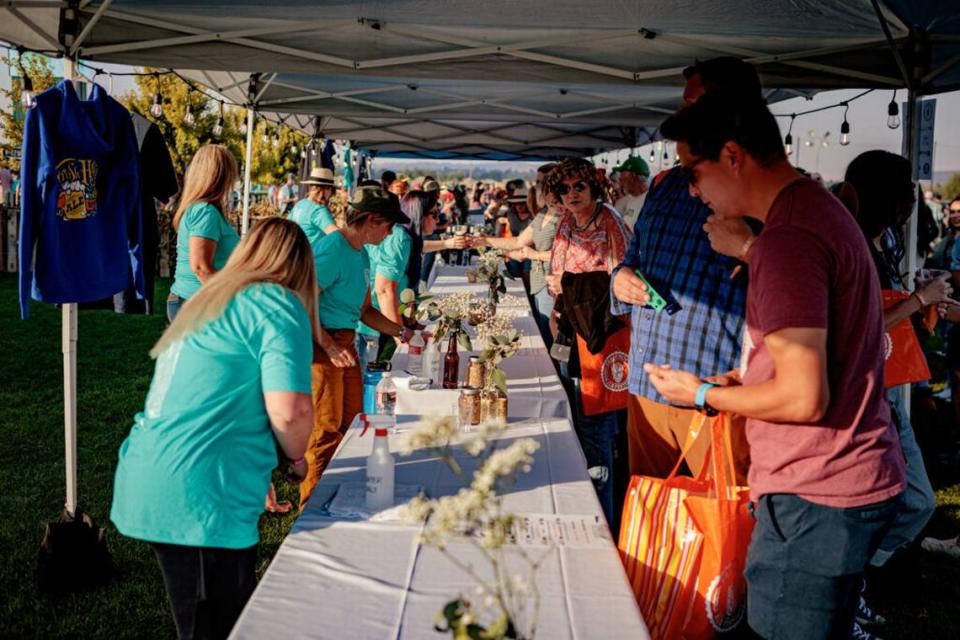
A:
(282, 340)
(393, 256)
(325, 219)
(325, 261)
(203, 221)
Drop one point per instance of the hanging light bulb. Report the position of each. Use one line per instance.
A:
(294, 150)
(243, 126)
(653, 155)
(845, 128)
(156, 109)
(276, 137)
(27, 98)
(266, 134)
(188, 118)
(218, 128)
(826, 139)
(893, 112)
(788, 139)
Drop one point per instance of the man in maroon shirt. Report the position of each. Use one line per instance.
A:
(826, 467)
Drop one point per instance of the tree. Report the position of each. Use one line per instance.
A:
(269, 163)
(11, 122)
(951, 188)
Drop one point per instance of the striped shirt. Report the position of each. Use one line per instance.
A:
(670, 248)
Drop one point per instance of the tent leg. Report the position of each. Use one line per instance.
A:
(245, 224)
(69, 348)
(69, 313)
(911, 138)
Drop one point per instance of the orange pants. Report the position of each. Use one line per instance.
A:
(657, 432)
(337, 399)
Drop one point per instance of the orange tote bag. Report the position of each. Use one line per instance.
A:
(684, 542)
(603, 376)
(904, 361)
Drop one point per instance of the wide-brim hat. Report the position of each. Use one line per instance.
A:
(375, 201)
(518, 196)
(320, 177)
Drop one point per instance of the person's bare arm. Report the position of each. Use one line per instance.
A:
(202, 251)
(291, 418)
(386, 291)
(799, 391)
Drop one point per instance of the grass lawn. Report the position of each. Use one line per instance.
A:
(919, 592)
(114, 373)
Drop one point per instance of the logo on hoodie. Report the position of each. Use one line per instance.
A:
(77, 195)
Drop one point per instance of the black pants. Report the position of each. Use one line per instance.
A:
(207, 587)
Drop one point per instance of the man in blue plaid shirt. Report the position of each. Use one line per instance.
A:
(701, 330)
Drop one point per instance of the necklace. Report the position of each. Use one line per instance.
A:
(596, 212)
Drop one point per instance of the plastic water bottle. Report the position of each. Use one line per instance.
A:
(415, 355)
(387, 397)
(380, 473)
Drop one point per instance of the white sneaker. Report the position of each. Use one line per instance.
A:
(950, 546)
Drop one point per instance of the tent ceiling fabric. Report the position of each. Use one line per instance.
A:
(462, 73)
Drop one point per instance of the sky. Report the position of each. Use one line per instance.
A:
(868, 130)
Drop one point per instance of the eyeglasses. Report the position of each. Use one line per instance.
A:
(564, 189)
(688, 171)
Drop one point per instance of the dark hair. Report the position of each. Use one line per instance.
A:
(387, 177)
(883, 182)
(727, 73)
(574, 168)
(415, 204)
(720, 117)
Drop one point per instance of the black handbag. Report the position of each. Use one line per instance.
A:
(73, 555)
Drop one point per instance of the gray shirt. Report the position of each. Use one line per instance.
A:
(544, 231)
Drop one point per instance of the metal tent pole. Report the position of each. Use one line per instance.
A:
(245, 224)
(69, 348)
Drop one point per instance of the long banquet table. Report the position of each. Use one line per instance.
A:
(337, 577)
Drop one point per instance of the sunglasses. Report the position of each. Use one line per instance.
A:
(688, 171)
(564, 189)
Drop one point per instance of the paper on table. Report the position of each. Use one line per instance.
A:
(546, 529)
(350, 502)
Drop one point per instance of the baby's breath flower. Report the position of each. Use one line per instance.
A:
(433, 432)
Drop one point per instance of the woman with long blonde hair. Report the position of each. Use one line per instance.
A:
(205, 238)
(231, 388)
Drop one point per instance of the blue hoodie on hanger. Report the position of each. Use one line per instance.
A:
(79, 197)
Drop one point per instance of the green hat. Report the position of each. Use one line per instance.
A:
(375, 200)
(636, 165)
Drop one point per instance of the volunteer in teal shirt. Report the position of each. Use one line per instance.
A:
(205, 239)
(228, 387)
(312, 213)
(343, 278)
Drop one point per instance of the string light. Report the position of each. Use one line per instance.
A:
(845, 127)
(156, 109)
(188, 118)
(243, 126)
(27, 98)
(218, 128)
(788, 139)
(265, 138)
(893, 112)
(653, 154)
(276, 136)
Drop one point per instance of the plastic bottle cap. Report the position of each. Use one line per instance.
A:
(381, 433)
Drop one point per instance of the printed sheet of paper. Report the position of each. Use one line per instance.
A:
(546, 529)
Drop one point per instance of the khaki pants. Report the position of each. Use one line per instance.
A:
(657, 432)
(337, 399)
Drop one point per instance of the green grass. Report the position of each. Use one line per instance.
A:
(114, 373)
(919, 592)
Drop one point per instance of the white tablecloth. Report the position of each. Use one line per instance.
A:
(334, 578)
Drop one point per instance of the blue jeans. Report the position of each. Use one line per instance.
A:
(543, 307)
(174, 302)
(597, 435)
(919, 501)
(805, 565)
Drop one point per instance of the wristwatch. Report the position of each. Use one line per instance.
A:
(700, 399)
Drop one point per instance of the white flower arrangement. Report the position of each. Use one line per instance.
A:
(475, 515)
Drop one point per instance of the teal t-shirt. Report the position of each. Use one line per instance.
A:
(201, 220)
(390, 259)
(343, 275)
(313, 218)
(196, 466)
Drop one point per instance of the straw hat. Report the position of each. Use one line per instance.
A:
(321, 177)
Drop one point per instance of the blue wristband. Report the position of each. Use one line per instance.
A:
(700, 400)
